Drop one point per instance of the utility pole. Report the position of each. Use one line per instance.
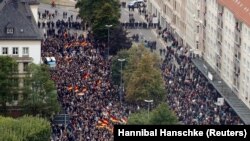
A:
(121, 88)
(108, 26)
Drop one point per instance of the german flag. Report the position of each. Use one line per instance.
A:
(84, 89)
(114, 119)
(124, 120)
(103, 122)
(109, 128)
(76, 89)
(69, 88)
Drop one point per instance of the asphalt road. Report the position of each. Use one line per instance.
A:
(145, 34)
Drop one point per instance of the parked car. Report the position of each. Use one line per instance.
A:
(135, 3)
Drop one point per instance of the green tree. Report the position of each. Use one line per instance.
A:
(25, 128)
(119, 40)
(161, 115)
(88, 9)
(105, 15)
(139, 118)
(142, 76)
(40, 95)
(100, 13)
(8, 81)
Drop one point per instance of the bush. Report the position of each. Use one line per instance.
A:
(26, 128)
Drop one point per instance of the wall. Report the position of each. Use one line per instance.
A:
(34, 48)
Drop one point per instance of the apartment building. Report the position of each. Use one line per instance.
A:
(183, 19)
(217, 30)
(19, 34)
(228, 43)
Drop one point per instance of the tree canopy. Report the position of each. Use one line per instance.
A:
(142, 76)
(88, 9)
(8, 81)
(105, 15)
(161, 115)
(99, 14)
(26, 128)
(40, 95)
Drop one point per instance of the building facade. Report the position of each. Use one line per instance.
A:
(217, 30)
(228, 43)
(20, 37)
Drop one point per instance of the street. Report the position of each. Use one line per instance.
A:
(144, 34)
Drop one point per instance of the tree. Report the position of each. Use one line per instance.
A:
(8, 81)
(142, 76)
(88, 8)
(25, 128)
(40, 96)
(138, 118)
(119, 40)
(105, 15)
(161, 115)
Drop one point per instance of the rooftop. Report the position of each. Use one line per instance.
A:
(17, 21)
(240, 9)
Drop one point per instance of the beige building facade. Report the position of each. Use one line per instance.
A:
(217, 30)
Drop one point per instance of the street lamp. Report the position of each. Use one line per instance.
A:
(121, 60)
(108, 26)
(149, 101)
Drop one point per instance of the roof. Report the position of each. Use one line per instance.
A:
(17, 14)
(240, 9)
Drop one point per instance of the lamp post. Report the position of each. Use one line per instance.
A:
(149, 101)
(108, 26)
(121, 60)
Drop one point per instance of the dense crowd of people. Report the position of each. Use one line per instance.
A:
(189, 94)
(85, 92)
(84, 89)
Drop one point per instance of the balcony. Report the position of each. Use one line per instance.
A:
(220, 10)
(220, 23)
(238, 26)
(237, 40)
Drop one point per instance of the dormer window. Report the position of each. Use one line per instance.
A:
(10, 30)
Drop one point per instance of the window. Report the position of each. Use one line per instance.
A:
(5, 50)
(10, 30)
(25, 51)
(15, 51)
(198, 29)
(25, 66)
